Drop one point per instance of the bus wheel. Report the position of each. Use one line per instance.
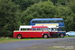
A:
(54, 35)
(62, 35)
(19, 36)
(45, 36)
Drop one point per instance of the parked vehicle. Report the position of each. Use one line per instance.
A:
(70, 33)
(34, 32)
(59, 22)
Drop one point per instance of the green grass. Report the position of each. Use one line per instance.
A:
(6, 40)
(69, 36)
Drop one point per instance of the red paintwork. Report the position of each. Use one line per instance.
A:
(31, 33)
(53, 32)
(39, 27)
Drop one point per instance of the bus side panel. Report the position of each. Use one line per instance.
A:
(35, 34)
(14, 35)
(28, 34)
(62, 33)
(24, 34)
(53, 32)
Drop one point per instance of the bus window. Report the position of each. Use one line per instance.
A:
(49, 29)
(51, 21)
(54, 29)
(28, 28)
(60, 21)
(47, 21)
(63, 29)
(42, 21)
(34, 29)
(44, 29)
(37, 21)
(39, 29)
(55, 21)
(59, 29)
(33, 21)
(23, 29)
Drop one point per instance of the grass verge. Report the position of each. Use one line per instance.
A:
(7, 39)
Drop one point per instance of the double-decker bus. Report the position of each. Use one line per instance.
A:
(58, 22)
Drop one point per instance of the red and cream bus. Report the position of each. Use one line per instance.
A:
(34, 32)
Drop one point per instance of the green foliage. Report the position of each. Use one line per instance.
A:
(40, 10)
(71, 5)
(9, 17)
(63, 11)
(24, 3)
(27, 3)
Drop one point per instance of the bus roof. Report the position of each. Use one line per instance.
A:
(25, 26)
(39, 27)
(28, 26)
(37, 19)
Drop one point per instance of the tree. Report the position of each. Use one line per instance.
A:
(40, 10)
(9, 17)
(71, 5)
(24, 3)
(65, 13)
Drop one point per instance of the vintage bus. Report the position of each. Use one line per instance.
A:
(34, 32)
(58, 22)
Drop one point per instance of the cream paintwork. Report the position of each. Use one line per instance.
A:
(52, 24)
(30, 31)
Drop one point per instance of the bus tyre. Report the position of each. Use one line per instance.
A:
(62, 35)
(54, 35)
(45, 36)
(19, 36)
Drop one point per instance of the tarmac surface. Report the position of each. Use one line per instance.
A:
(43, 44)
